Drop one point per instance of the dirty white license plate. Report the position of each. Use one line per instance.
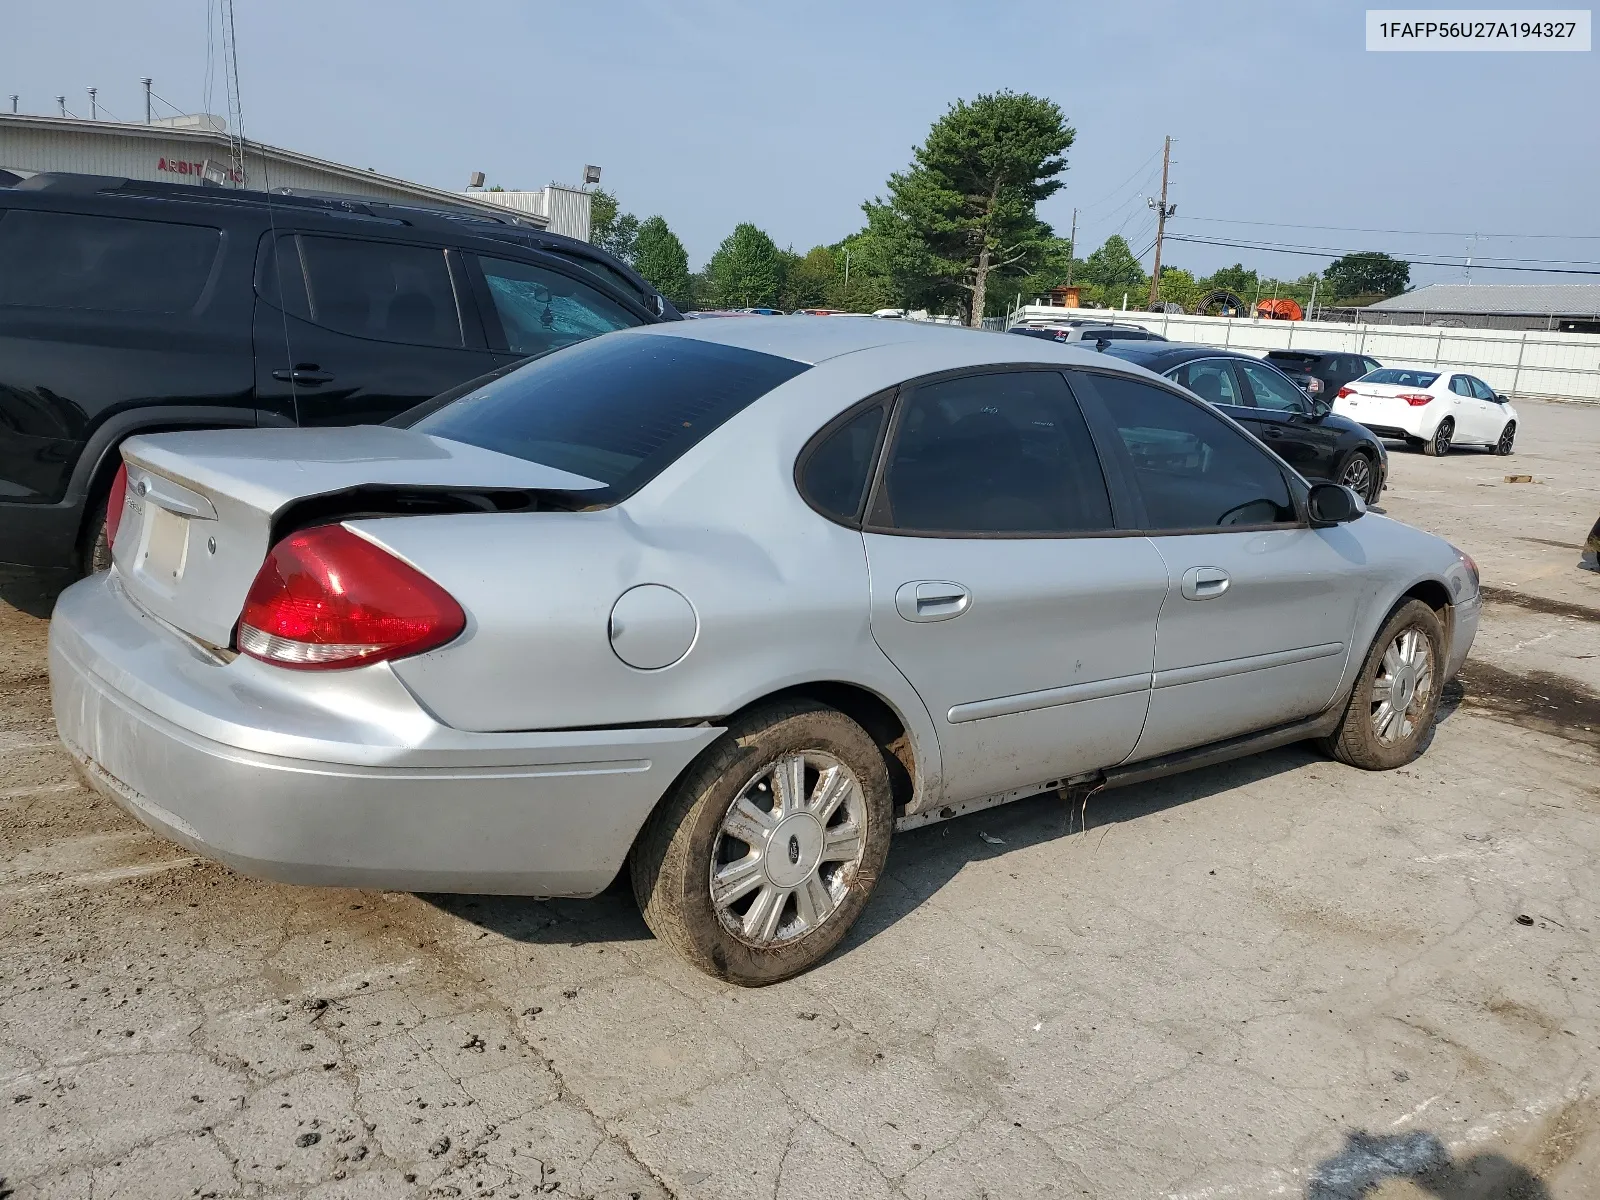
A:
(166, 544)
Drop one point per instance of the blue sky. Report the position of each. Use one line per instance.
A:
(712, 112)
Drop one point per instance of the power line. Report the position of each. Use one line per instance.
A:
(1404, 232)
(1253, 244)
(1413, 260)
(1116, 191)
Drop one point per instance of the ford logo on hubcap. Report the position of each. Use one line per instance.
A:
(794, 849)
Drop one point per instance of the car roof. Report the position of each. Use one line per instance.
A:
(937, 347)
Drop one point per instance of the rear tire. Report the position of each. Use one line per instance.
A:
(1439, 444)
(761, 908)
(1396, 696)
(1507, 442)
(95, 554)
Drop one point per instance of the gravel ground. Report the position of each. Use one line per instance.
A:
(1279, 977)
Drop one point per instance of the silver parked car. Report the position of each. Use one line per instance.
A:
(727, 602)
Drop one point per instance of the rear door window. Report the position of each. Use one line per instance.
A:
(381, 290)
(1192, 470)
(616, 409)
(67, 260)
(542, 310)
(1460, 385)
(1006, 453)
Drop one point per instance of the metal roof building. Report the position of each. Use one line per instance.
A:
(1563, 307)
(198, 149)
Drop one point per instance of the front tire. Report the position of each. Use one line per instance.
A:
(1439, 444)
(1508, 438)
(1396, 697)
(1360, 475)
(764, 854)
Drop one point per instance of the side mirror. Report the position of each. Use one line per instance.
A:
(1320, 407)
(1333, 504)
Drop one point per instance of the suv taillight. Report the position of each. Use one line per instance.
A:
(114, 502)
(1343, 392)
(1415, 399)
(326, 598)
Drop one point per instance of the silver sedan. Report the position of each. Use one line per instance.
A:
(727, 603)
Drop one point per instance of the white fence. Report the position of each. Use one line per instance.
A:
(1523, 363)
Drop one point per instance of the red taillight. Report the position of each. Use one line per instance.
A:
(327, 598)
(114, 502)
(1345, 391)
(1415, 399)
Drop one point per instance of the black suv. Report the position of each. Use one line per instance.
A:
(1304, 432)
(1322, 372)
(132, 307)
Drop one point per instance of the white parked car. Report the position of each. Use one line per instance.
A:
(1431, 410)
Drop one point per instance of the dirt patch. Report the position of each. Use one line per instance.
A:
(1538, 700)
(1538, 604)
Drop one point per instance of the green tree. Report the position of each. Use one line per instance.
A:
(1112, 272)
(610, 228)
(1241, 281)
(747, 270)
(1179, 287)
(1367, 273)
(811, 281)
(962, 217)
(659, 256)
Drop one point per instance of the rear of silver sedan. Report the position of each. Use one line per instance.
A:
(340, 777)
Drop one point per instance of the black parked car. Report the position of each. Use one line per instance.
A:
(1322, 372)
(1303, 431)
(132, 307)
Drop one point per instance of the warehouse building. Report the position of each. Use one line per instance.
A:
(198, 149)
(1555, 307)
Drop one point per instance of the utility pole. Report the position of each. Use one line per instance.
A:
(1072, 243)
(1470, 240)
(1163, 211)
(94, 107)
(146, 81)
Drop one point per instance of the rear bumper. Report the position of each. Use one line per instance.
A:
(1396, 421)
(341, 781)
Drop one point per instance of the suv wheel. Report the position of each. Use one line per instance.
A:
(95, 555)
(1396, 696)
(761, 858)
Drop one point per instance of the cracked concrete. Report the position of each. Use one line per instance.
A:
(1257, 980)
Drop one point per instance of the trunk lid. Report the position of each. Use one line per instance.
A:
(201, 507)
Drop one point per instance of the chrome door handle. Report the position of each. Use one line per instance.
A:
(1205, 583)
(931, 600)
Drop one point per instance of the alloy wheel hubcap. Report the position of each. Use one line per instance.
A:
(1358, 476)
(788, 848)
(1405, 681)
(1441, 439)
(1505, 442)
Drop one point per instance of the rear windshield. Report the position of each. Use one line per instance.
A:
(1293, 357)
(615, 408)
(1401, 376)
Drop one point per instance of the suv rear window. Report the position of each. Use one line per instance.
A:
(1403, 377)
(1294, 358)
(618, 408)
(67, 260)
